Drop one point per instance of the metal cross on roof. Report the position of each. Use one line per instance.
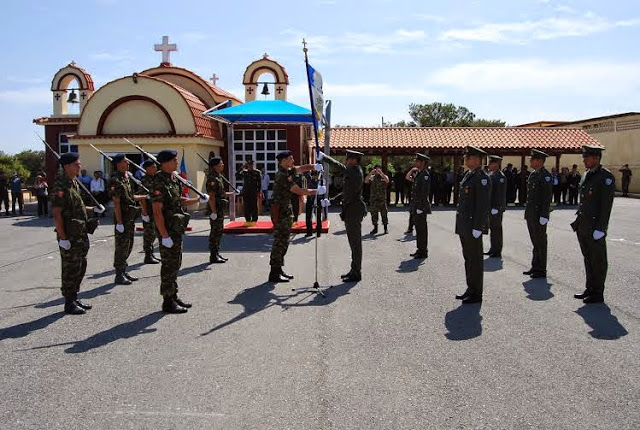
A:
(165, 47)
(215, 79)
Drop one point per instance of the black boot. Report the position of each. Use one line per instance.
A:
(581, 296)
(353, 277)
(180, 302)
(375, 229)
(171, 307)
(214, 258)
(464, 295)
(84, 306)
(275, 276)
(71, 308)
(282, 273)
(121, 279)
(386, 230)
(129, 277)
(223, 258)
(149, 258)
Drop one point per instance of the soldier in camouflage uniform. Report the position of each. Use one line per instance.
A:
(471, 217)
(251, 190)
(378, 182)
(498, 205)
(282, 212)
(171, 222)
(539, 194)
(420, 204)
(70, 216)
(125, 212)
(592, 220)
(149, 234)
(217, 201)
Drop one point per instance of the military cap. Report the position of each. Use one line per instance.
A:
(166, 155)
(592, 150)
(147, 163)
(422, 157)
(472, 150)
(494, 158)
(354, 154)
(536, 154)
(214, 161)
(117, 158)
(68, 158)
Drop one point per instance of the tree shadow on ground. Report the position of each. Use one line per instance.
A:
(492, 264)
(538, 289)
(464, 322)
(411, 265)
(604, 324)
(24, 329)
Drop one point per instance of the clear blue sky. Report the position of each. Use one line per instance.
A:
(519, 61)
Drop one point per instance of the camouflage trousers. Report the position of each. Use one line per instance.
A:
(376, 208)
(123, 246)
(148, 236)
(171, 262)
(281, 233)
(74, 266)
(215, 235)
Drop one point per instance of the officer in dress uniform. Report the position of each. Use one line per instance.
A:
(171, 222)
(539, 194)
(149, 233)
(251, 190)
(284, 187)
(217, 201)
(471, 217)
(353, 208)
(420, 205)
(498, 205)
(592, 220)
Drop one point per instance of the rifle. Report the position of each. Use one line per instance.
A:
(133, 178)
(80, 184)
(179, 178)
(222, 176)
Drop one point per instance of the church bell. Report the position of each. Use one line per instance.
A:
(73, 97)
(265, 90)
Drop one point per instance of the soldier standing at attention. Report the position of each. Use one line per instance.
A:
(125, 213)
(539, 193)
(498, 205)
(251, 191)
(626, 179)
(353, 208)
(215, 189)
(574, 185)
(420, 205)
(592, 220)
(149, 234)
(282, 211)
(171, 222)
(70, 217)
(378, 197)
(471, 216)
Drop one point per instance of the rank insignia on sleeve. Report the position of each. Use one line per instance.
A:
(60, 193)
(547, 178)
(608, 181)
(484, 182)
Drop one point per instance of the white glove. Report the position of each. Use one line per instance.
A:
(597, 234)
(419, 212)
(99, 209)
(146, 218)
(325, 203)
(167, 242)
(120, 228)
(64, 244)
(543, 220)
(476, 233)
(494, 211)
(320, 156)
(204, 199)
(318, 167)
(213, 216)
(322, 190)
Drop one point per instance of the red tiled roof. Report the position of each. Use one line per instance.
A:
(457, 138)
(53, 120)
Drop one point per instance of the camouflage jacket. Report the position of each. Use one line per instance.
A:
(377, 192)
(66, 195)
(215, 186)
(281, 209)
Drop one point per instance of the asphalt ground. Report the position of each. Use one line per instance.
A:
(394, 351)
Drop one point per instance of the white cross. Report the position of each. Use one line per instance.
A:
(165, 48)
(215, 79)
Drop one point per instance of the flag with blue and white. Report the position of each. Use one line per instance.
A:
(317, 99)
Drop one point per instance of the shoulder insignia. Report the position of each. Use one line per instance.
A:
(484, 182)
(502, 180)
(426, 177)
(60, 193)
(157, 193)
(547, 178)
(608, 181)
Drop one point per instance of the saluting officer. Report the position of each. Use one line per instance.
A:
(596, 200)
(149, 234)
(420, 204)
(498, 205)
(215, 188)
(251, 190)
(353, 208)
(471, 217)
(171, 222)
(70, 217)
(282, 211)
(539, 194)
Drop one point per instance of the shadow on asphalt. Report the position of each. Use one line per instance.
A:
(492, 264)
(538, 289)
(112, 272)
(238, 243)
(22, 330)
(464, 322)
(411, 265)
(340, 233)
(604, 325)
(82, 295)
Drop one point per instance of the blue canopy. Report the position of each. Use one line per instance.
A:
(263, 111)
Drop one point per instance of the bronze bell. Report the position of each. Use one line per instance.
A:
(73, 97)
(265, 90)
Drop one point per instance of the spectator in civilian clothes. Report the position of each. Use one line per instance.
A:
(97, 188)
(42, 193)
(16, 193)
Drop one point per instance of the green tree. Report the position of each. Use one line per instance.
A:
(33, 161)
(447, 115)
(10, 164)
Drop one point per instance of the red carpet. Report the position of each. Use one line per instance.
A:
(238, 227)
